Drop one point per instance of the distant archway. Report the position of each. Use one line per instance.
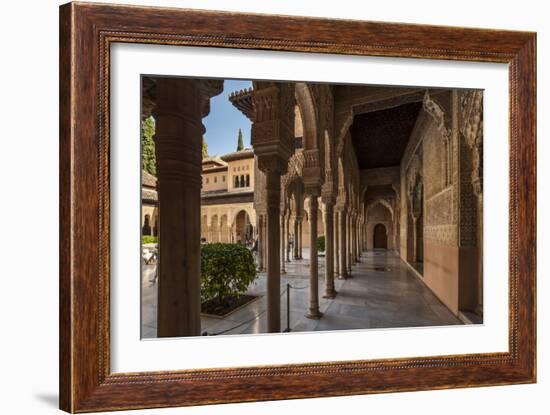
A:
(243, 228)
(146, 229)
(380, 237)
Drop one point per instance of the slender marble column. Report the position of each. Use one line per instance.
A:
(313, 312)
(336, 244)
(282, 222)
(356, 240)
(300, 239)
(296, 248)
(342, 267)
(330, 292)
(348, 241)
(287, 233)
(359, 237)
(261, 242)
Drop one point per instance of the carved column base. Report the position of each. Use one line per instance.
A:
(330, 295)
(314, 315)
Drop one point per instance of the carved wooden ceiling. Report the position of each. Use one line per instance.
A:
(380, 137)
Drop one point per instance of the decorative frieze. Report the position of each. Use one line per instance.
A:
(441, 233)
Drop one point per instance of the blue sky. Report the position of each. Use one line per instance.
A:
(223, 122)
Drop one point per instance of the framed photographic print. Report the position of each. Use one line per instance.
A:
(261, 207)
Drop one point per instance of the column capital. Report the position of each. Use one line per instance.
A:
(328, 198)
(341, 207)
(313, 191)
(312, 169)
(273, 125)
(272, 165)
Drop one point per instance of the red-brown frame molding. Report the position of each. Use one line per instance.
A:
(86, 33)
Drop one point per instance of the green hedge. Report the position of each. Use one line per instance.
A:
(227, 271)
(148, 239)
(321, 243)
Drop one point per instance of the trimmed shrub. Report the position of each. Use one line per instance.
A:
(321, 243)
(148, 239)
(226, 271)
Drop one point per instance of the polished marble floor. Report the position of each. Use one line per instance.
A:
(383, 292)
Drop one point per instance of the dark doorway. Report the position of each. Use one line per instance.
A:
(380, 237)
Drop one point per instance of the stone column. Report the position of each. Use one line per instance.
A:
(261, 242)
(282, 224)
(273, 192)
(361, 238)
(354, 239)
(330, 292)
(180, 106)
(272, 137)
(358, 238)
(313, 312)
(365, 242)
(348, 241)
(343, 265)
(287, 233)
(296, 248)
(300, 239)
(336, 244)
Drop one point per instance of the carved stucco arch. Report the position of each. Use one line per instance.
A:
(223, 220)
(239, 210)
(307, 108)
(214, 221)
(380, 202)
(342, 196)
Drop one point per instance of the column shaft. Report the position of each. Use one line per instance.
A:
(273, 194)
(287, 236)
(348, 241)
(313, 312)
(329, 251)
(336, 244)
(178, 149)
(356, 240)
(261, 242)
(296, 250)
(282, 222)
(300, 240)
(343, 266)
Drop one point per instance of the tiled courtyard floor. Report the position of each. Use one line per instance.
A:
(382, 293)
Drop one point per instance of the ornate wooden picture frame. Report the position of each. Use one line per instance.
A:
(87, 32)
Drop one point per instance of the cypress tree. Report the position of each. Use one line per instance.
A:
(240, 145)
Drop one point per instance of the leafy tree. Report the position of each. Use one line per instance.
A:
(240, 145)
(204, 148)
(148, 157)
(226, 271)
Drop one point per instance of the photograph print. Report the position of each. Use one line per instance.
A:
(285, 207)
